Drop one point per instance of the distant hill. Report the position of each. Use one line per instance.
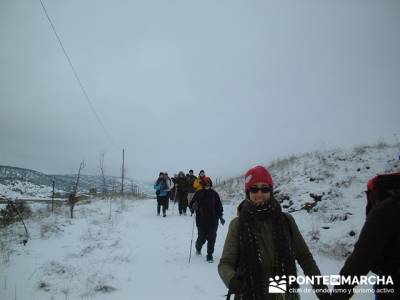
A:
(15, 180)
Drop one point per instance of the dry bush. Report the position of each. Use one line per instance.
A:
(48, 229)
(9, 214)
(314, 234)
(381, 144)
(360, 150)
(339, 249)
(279, 163)
(5, 252)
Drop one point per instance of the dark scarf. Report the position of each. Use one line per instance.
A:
(250, 260)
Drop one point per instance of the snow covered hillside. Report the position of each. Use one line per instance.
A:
(119, 249)
(25, 183)
(325, 192)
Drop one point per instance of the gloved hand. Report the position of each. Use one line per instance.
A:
(191, 212)
(237, 284)
(222, 220)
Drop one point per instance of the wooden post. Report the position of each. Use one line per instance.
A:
(123, 161)
(52, 198)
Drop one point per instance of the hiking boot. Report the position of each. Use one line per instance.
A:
(210, 258)
(164, 215)
(198, 251)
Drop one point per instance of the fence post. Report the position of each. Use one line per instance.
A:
(52, 199)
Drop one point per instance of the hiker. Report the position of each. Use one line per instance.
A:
(191, 190)
(182, 187)
(168, 180)
(208, 207)
(172, 195)
(198, 183)
(161, 189)
(378, 246)
(170, 186)
(263, 243)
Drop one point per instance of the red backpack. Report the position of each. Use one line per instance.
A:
(381, 187)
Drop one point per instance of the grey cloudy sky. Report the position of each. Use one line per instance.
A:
(214, 85)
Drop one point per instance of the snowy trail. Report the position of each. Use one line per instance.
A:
(132, 255)
(161, 247)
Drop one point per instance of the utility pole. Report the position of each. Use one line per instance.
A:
(123, 170)
(52, 198)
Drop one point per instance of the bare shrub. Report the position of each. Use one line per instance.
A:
(360, 150)
(5, 252)
(9, 214)
(314, 233)
(48, 229)
(381, 144)
(279, 163)
(43, 286)
(339, 249)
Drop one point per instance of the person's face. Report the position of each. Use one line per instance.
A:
(190, 173)
(201, 174)
(259, 193)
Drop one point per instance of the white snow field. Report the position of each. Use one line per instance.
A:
(132, 255)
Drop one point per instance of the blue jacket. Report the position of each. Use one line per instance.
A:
(161, 186)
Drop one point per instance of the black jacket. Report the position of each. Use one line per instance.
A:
(208, 207)
(377, 248)
(182, 185)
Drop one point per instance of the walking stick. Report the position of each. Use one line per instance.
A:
(173, 206)
(191, 242)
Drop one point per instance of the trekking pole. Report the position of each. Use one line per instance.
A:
(173, 206)
(191, 242)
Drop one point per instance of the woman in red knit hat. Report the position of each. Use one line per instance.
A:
(262, 246)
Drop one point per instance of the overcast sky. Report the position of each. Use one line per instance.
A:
(214, 85)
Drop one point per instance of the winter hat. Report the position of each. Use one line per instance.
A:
(207, 181)
(380, 187)
(257, 174)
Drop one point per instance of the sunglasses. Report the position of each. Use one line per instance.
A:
(264, 189)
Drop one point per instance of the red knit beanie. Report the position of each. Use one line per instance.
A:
(257, 174)
(207, 181)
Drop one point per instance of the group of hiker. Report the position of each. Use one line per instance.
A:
(195, 193)
(180, 188)
(263, 242)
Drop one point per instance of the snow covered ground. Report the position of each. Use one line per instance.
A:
(120, 249)
(132, 255)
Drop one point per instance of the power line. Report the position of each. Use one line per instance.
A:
(75, 73)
